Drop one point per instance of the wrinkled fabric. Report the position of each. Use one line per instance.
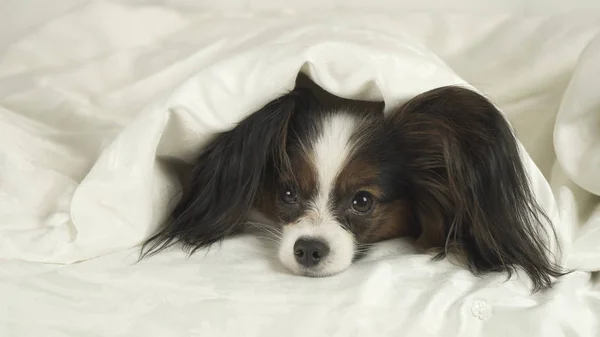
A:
(95, 98)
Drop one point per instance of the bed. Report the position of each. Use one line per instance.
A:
(96, 98)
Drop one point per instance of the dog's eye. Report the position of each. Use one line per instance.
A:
(289, 195)
(362, 202)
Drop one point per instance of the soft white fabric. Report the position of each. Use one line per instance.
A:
(93, 98)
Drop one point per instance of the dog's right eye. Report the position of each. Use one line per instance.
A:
(362, 203)
(289, 195)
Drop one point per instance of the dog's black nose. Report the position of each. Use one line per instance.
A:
(309, 252)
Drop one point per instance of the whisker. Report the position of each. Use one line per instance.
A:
(269, 230)
(266, 229)
(268, 239)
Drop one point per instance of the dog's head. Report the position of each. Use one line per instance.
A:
(341, 188)
(328, 182)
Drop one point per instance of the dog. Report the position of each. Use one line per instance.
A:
(443, 168)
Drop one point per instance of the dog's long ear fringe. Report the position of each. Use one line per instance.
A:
(227, 176)
(471, 190)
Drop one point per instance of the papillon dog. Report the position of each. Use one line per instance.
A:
(443, 168)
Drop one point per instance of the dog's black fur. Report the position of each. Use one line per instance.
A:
(467, 186)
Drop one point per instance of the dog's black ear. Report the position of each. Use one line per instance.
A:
(470, 190)
(227, 177)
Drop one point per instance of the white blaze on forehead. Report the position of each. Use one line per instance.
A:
(330, 153)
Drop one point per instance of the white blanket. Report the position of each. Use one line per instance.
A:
(95, 98)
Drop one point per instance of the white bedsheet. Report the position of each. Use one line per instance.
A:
(94, 94)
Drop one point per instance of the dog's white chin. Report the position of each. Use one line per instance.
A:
(340, 242)
(318, 274)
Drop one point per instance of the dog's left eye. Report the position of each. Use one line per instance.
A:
(289, 195)
(362, 202)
